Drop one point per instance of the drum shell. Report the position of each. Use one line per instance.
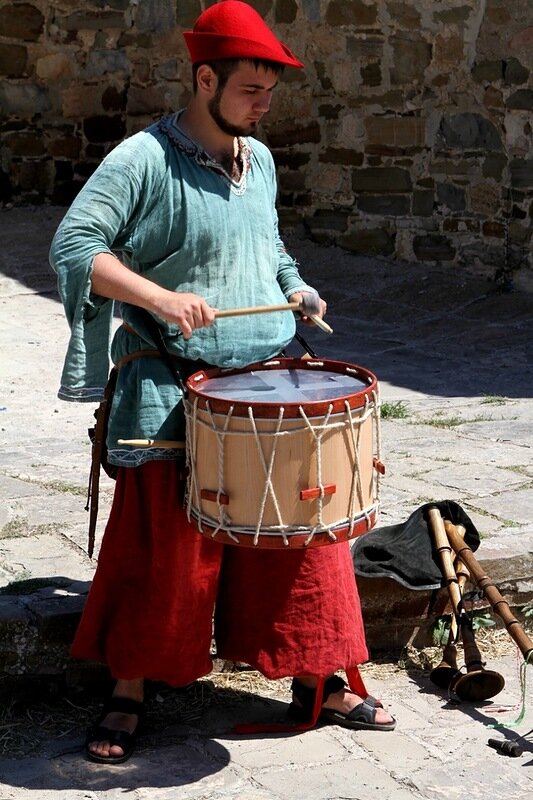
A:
(295, 468)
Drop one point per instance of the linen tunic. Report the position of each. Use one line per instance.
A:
(171, 213)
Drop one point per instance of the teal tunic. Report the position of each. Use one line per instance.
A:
(171, 213)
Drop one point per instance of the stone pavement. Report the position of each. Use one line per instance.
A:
(454, 355)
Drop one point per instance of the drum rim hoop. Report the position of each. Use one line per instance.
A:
(361, 523)
(313, 408)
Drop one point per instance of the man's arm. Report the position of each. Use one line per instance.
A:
(112, 279)
(311, 304)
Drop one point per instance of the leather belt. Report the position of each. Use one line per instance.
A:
(188, 364)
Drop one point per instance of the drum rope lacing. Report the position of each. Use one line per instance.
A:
(223, 520)
(377, 418)
(356, 474)
(320, 504)
(269, 489)
(371, 407)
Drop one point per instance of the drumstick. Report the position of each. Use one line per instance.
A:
(319, 322)
(165, 444)
(239, 312)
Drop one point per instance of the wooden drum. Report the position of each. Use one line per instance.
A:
(284, 453)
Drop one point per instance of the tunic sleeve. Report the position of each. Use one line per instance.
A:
(92, 225)
(288, 276)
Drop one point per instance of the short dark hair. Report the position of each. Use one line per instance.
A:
(224, 67)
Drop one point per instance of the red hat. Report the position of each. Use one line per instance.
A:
(233, 29)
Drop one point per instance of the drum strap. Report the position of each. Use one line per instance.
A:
(157, 335)
(306, 346)
(171, 360)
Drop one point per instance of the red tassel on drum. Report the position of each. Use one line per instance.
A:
(280, 727)
(356, 684)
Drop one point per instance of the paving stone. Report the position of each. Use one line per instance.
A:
(438, 346)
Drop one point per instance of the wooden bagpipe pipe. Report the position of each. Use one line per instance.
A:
(477, 683)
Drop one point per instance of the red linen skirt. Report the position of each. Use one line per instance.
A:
(149, 612)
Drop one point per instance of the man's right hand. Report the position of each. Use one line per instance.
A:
(110, 278)
(186, 310)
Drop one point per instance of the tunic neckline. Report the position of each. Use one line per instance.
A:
(169, 126)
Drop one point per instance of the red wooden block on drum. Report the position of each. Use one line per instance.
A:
(215, 497)
(312, 494)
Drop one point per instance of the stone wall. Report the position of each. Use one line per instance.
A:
(409, 133)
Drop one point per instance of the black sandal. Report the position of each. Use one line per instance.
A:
(362, 717)
(122, 739)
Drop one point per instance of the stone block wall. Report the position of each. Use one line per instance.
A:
(408, 134)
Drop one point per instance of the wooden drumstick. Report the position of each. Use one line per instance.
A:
(239, 312)
(319, 322)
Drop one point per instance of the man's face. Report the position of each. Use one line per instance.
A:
(238, 108)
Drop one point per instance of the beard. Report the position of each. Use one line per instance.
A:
(224, 124)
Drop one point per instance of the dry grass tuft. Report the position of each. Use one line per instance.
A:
(24, 728)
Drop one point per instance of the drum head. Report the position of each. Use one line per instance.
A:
(282, 386)
(291, 383)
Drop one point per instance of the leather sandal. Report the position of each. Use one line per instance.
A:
(362, 717)
(101, 733)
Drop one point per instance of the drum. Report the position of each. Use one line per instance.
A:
(284, 453)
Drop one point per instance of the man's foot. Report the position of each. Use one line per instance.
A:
(341, 706)
(112, 739)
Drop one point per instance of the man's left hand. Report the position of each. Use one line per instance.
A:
(311, 304)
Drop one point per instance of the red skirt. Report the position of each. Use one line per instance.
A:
(149, 613)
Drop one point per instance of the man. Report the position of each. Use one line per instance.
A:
(178, 221)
